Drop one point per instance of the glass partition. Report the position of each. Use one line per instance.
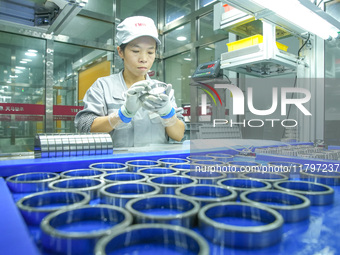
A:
(22, 91)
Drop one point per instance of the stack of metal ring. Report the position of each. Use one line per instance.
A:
(66, 145)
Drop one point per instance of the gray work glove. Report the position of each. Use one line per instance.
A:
(159, 103)
(132, 103)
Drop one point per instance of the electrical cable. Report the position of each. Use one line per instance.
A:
(303, 45)
(319, 3)
(227, 78)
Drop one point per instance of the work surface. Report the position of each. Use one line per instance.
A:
(317, 235)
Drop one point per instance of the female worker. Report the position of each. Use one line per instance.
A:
(112, 104)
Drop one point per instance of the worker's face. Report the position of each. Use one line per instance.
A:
(139, 55)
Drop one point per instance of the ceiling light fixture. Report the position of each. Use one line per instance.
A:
(181, 38)
(305, 15)
(30, 54)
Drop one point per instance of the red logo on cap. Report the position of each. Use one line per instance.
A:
(140, 24)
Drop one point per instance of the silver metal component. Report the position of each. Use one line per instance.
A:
(120, 193)
(181, 211)
(206, 177)
(90, 186)
(200, 157)
(73, 145)
(229, 234)
(124, 177)
(166, 236)
(82, 173)
(30, 182)
(240, 185)
(157, 87)
(51, 146)
(286, 168)
(221, 156)
(167, 162)
(328, 178)
(86, 145)
(135, 165)
(110, 167)
(38, 205)
(293, 207)
(157, 171)
(58, 146)
(65, 145)
(318, 194)
(170, 183)
(81, 240)
(182, 168)
(206, 194)
(264, 176)
(79, 146)
(92, 144)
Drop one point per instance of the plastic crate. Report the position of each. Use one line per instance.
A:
(249, 41)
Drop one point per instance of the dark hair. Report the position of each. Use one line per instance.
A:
(123, 46)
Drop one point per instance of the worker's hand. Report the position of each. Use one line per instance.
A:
(132, 103)
(161, 103)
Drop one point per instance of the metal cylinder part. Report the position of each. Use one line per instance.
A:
(36, 206)
(293, 207)
(240, 225)
(90, 186)
(318, 194)
(65, 145)
(206, 194)
(30, 182)
(124, 177)
(120, 193)
(167, 209)
(109, 167)
(76, 231)
(153, 238)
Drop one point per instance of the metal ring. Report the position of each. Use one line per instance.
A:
(36, 206)
(124, 177)
(135, 165)
(31, 182)
(90, 186)
(208, 163)
(61, 236)
(240, 236)
(286, 167)
(168, 184)
(236, 168)
(164, 236)
(292, 207)
(167, 162)
(157, 171)
(168, 209)
(318, 194)
(328, 178)
(264, 176)
(219, 156)
(157, 87)
(241, 185)
(182, 168)
(109, 167)
(82, 173)
(206, 194)
(199, 157)
(120, 193)
(205, 177)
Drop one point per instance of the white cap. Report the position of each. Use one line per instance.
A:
(134, 27)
